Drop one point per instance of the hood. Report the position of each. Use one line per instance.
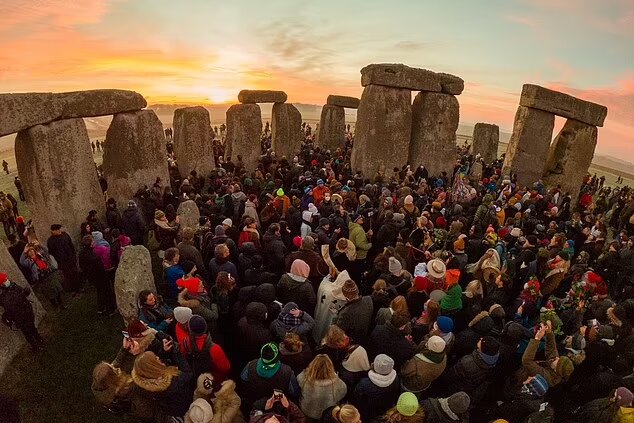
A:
(130, 211)
(246, 294)
(269, 237)
(265, 293)
(357, 361)
(239, 196)
(292, 281)
(256, 312)
(248, 248)
(482, 323)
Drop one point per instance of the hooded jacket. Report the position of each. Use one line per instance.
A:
(466, 340)
(360, 240)
(422, 369)
(298, 290)
(133, 225)
(253, 331)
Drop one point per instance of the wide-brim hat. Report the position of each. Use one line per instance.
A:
(436, 268)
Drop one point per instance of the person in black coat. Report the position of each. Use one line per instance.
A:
(253, 333)
(113, 217)
(18, 310)
(265, 293)
(391, 339)
(379, 391)
(467, 339)
(60, 246)
(257, 274)
(133, 224)
(93, 270)
(274, 249)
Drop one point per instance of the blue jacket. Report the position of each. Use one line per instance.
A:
(172, 274)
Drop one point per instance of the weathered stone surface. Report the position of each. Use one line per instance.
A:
(286, 129)
(486, 138)
(435, 119)
(332, 125)
(134, 154)
(193, 147)
(400, 76)
(244, 128)
(188, 214)
(13, 341)
(451, 84)
(134, 274)
(563, 105)
(528, 147)
(59, 175)
(21, 111)
(261, 96)
(570, 156)
(383, 129)
(343, 101)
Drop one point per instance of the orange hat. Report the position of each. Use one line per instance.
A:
(459, 245)
(452, 277)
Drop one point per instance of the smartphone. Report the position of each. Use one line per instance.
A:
(277, 394)
(125, 334)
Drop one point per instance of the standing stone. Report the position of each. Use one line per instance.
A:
(570, 156)
(193, 148)
(528, 148)
(59, 176)
(286, 129)
(332, 125)
(383, 129)
(435, 119)
(13, 341)
(133, 275)
(244, 129)
(134, 154)
(486, 138)
(188, 214)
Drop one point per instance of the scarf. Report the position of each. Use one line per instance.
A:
(431, 357)
(489, 359)
(41, 264)
(162, 224)
(382, 381)
(289, 320)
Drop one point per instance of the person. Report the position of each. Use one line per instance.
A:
(376, 392)
(524, 401)
(221, 263)
(7, 215)
(407, 410)
(295, 287)
(393, 339)
(261, 376)
(454, 408)
(418, 373)
(202, 354)
(18, 185)
(194, 295)
(93, 270)
(133, 224)
(317, 266)
(113, 217)
(18, 311)
(356, 314)
(277, 408)
(249, 233)
(321, 387)
(292, 320)
(44, 274)
(137, 338)
(112, 388)
(345, 413)
(253, 332)
(618, 407)
(295, 352)
(274, 249)
(5, 166)
(60, 245)
(165, 231)
(173, 272)
(154, 312)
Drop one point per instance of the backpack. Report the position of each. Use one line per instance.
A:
(199, 360)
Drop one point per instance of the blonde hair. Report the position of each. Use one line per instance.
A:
(393, 416)
(293, 342)
(346, 414)
(335, 337)
(399, 305)
(379, 285)
(474, 288)
(106, 377)
(321, 368)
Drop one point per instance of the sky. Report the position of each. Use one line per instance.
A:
(206, 51)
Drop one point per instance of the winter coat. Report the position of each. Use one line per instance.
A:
(188, 252)
(113, 218)
(253, 332)
(297, 361)
(226, 404)
(216, 266)
(355, 317)
(360, 240)
(91, 266)
(520, 407)
(155, 317)
(435, 414)
(265, 294)
(257, 277)
(467, 340)
(125, 359)
(103, 254)
(30, 265)
(133, 225)
(319, 395)
(531, 367)
(422, 369)
(296, 290)
(279, 329)
(599, 410)
(318, 267)
(17, 307)
(274, 252)
(372, 400)
(470, 374)
(62, 248)
(251, 211)
(387, 339)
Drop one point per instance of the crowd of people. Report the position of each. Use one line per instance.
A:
(310, 292)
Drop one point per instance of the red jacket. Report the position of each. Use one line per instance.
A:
(221, 364)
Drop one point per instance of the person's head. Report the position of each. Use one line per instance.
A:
(31, 253)
(342, 244)
(225, 282)
(535, 385)
(221, 251)
(56, 229)
(335, 337)
(474, 289)
(109, 381)
(407, 410)
(432, 308)
(488, 345)
(346, 414)
(172, 255)
(87, 241)
(292, 342)
(188, 234)
(274, 228)
(152, 374)
(399, 320)
(563, 366)
(189, 268)
(321, 368)
(399, 305)
(147, 298)
(380, 286)
(503, 281)
(227, 223)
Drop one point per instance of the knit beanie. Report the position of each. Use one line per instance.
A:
(458, 245)
(200, 411)
(457, 404)
(136, 328)
(538, 386)
(409, 200)
(623, 397)
(605, 332)
(445, 324)
(436, 344)
(565, 367)
(182, 314)
(270, 354)
(407, 404)
(197, 325)
(490, 346)
(383, 364)
(288, 307)
(350, 290)
(395, 266)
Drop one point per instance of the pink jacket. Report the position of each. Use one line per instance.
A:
(103, 253)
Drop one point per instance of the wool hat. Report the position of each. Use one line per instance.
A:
(457, 404)
(183, 314)
(436, 344)
(200, 411)
(197, 325)
(578, 343)
(383, 364)
(131, 203)
(441, 222)
(227, 222)
(458, 245)
(623, 397)
(516, 232)
(605, 332)
(356, 217)
(350, 290)
(538, 386)
(445, 324)
(270, 354)
(3, 277)
(219, 230)
(395, 267)
(280, 192)
(158, 215)
(489, 345)
(409, 200)
(136, 328)
(324, 221)
(297, 241)
(516, 332)
(308, 243)
(436, 268)
(565, 367)
(407, 404)
(288, 307)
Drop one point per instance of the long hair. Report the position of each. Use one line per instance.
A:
(433, 311)
(321, 368)
(335, 337)
(393, 416)
(224, 282)
(293, 342)
(399, 305)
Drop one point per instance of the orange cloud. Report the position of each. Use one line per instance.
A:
(14, 13)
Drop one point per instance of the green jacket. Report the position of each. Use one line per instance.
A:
(360, 240)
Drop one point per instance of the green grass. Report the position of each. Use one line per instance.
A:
(54, 385)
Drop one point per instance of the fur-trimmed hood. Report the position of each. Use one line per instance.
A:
(482, 323)
(186, 300)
